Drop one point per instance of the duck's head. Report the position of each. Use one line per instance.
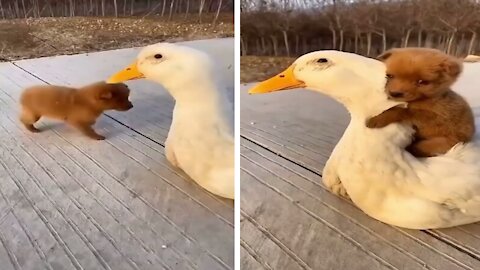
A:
(355, 81)
(170, 65)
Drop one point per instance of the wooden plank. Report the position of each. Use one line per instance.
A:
(117, 204)
(248, 262)
(260, 246)
(302, 133)
(296, 192)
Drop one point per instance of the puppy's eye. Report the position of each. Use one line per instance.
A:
(158, 56)
(423, 82)
(322, 60)
(389, 76)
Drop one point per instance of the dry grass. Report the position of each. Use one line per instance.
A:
(257, 68)
(29, 38)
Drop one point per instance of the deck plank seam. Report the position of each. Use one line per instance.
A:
(167, 219)
(7, 211)
(279, 154)
(61, 187)
(289, 169)
(275, 240)
(286, 148)
(371, 232)
(90, 218)
(169, 168)
(254, 255)
(282, 128)
(446, 239)
(287, 140)
(328, 225)
(174, 186)
(126, 207)
(28, 234)
(75, 202)
(11, 256)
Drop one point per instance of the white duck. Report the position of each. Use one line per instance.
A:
(200, 140)
(371, 165)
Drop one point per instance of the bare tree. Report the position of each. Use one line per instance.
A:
(200, 9)
(362, 26)
(218, 11)
(143, 8)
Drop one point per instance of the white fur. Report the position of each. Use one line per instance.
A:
(200, 140)
(371, 165)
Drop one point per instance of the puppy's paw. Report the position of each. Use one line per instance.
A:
(35, 130)
(375, 122)
(98, 137)
(32, 128)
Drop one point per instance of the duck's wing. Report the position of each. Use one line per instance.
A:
(453, 180)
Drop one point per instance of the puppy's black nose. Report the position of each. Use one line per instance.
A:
(394, 94)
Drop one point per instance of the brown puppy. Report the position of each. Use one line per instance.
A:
(78, 107)
(422, 78)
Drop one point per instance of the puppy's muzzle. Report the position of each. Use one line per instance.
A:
(395, 94)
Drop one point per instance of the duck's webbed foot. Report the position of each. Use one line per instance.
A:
(170, 155)
(333, 183)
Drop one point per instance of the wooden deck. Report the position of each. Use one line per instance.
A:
(290, 221)
(68, 202)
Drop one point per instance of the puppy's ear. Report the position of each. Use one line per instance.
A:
(105, 95)
(452, 67)
(384, 56)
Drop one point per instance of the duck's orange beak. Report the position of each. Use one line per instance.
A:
(283, 81)
(129, 73)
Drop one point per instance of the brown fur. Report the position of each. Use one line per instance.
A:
(422, 78)
(78, 107)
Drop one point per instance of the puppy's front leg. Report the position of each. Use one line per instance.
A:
(392, 115)
(87, 130)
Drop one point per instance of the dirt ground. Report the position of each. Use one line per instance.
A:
(257, 68)
(30, 38)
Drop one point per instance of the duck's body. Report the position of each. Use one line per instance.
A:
(390, 185)
(200, 139)
(371, 165)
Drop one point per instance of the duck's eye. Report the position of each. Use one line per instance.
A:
(389, 76)
(423, 82)
(158, 56)
(322, 60)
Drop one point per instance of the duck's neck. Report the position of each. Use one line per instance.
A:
(374, 139)
(205, 99)
(365, 106)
